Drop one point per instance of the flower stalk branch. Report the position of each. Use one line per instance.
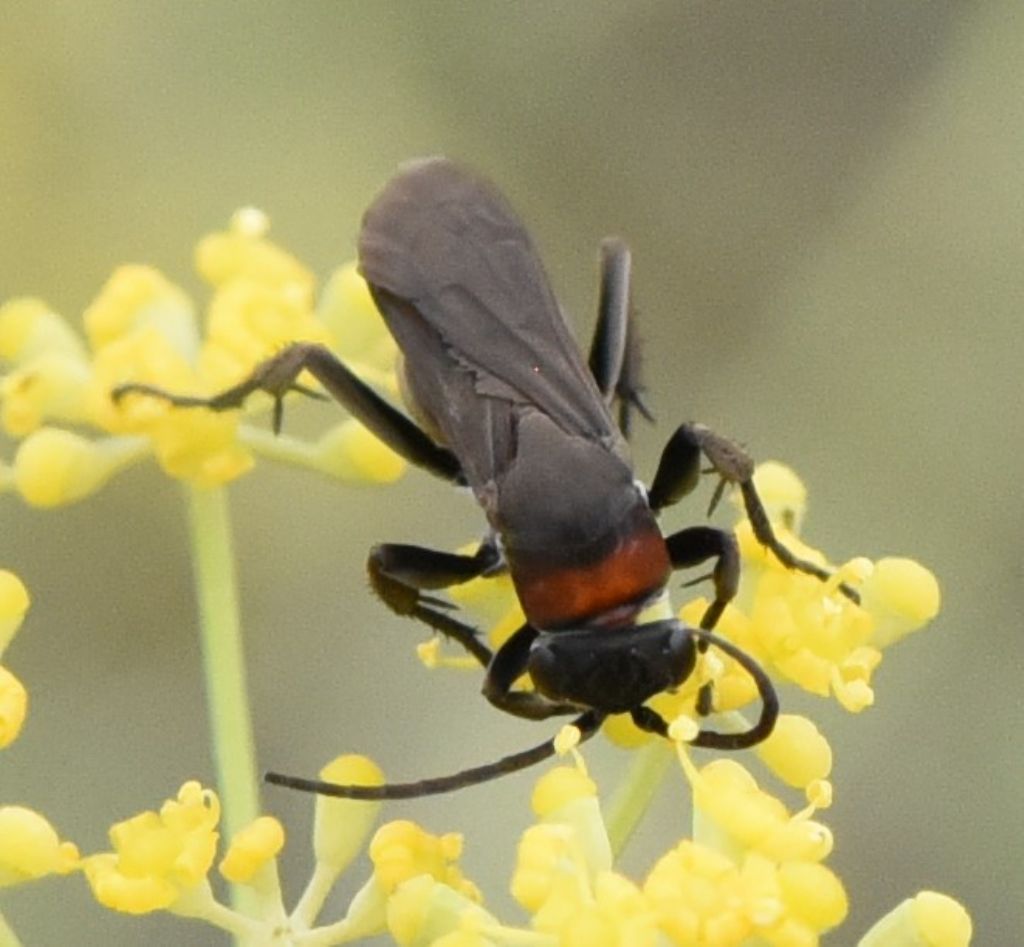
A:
(223, 654)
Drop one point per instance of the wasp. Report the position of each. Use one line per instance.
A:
(501, 400)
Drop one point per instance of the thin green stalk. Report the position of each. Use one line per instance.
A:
(634, 794)
(7, 936)
(223, 658)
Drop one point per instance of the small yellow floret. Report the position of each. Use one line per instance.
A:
(200, 447)
(402, 850)
(566, 797)
(941, 920)
(423, 912)
(930, 919)
(340, 826)
(55, 466)
(610, 913)
(560, 787)
(796, 751)
(902, 595)
(544, 853)
(728, 795)
(348, 311)
(52, 386)
(698, 897)
(250, 222)
(14, 602)
(158, 857)
(29, 329)
(136, 299)
(813, 894)
(13, 707)
(251, 848)
(244, 255)
(30, 847)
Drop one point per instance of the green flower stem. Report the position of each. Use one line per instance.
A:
(7, 936)
(634, 794)
(223, 660)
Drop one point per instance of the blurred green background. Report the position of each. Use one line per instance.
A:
(824, 201)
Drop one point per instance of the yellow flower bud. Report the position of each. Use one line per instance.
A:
(251, 848)
(14, 602)
(929, 919)
(348, 311)
(796, 751)
(340, 826)
(13, 707)
(200, 447)
(29, 329)
(249, 321)
(50, 387)
(728, 795)
(813, 894)
(250, 222)
(54, 466)
(544, 852)
(136, 299)
(560, 787)
(244, 255)
(30, 847)
(902, 596)
(424, 910)
(567, 796)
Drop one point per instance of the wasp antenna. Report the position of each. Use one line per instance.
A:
(765, 689)
(587, 724)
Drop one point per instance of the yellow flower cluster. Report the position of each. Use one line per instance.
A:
(808, 633)
(29, 846)
(162, 860)
(752, 874)
(143, 329)
(755, 875)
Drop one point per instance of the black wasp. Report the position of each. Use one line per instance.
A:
(501, 400)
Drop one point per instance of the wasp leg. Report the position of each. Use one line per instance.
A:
(695, 545)
(399, 574)
(615, 352)
(679, 472)
(692, 546)
(277, 377)
(506, 667)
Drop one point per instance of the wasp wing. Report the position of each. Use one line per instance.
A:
(464, 292)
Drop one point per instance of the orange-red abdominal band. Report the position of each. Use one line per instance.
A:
(608, 591)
